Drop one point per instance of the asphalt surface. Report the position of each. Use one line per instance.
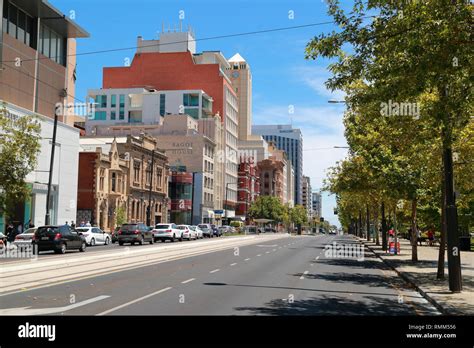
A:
(286, 276)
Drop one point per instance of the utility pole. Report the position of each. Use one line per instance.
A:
(47, 218)
(148, 215)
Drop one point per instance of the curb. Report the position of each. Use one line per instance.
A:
(408, 280)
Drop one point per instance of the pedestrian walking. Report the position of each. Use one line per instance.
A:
(430, 237)
(31, 224)
(20, 228)
(10, 233)
(418, 236)
(73, 225)
(83, 224)
(88, 224)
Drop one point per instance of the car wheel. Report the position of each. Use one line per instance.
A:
(132, 243)
(163, 240)
(62, 249)
(107, 241)
(141, 241)
(152, 240)
(181, 238)
(120, 243)
(174, 238)
(83, 247)
(92, 242)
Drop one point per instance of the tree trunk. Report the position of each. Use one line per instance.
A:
(368, 222)
(414, 241)
(442, 242)
(384, 228)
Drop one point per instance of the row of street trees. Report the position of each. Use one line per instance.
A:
(406, 69)
(269, 207)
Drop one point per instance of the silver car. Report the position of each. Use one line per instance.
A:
(25, 238)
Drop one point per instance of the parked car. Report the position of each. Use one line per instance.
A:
(25, 238)
(115, 234)
(166, 232)
(58, 238)
(135, 233)
(199, 234)
(188, 232)
(3, 240)
(224, 229)
(207, 230)
(94, 235)
(250, 229)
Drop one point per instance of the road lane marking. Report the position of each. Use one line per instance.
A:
(267, 252)
(134, 301)
(189, 280)
(248, 258)
(233, 264)
(43, 311)
(317, 258)
(305, 272)
(259, 255)
(214, 271)
(274, 250)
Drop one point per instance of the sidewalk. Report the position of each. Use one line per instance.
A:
(422, 275)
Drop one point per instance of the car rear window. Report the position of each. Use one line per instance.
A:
(181, 227)
(130, 227)
(162, 227)
(82, 229)
(47, 231)
(202, 226)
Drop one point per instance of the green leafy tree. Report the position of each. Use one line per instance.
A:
(267, 207)
(19, 149)
(121, 216)
(298, 215)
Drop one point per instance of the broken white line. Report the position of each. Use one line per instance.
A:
(189, 280)
(247, 259)
(214, 271)
(233, 264)
(305, 272)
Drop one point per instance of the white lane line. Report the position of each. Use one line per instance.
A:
(267, 252)
(135, 301)
(214, 271)
(274, 250)
(312, 264)
(259, 255)
(305, 272)
(233, 264)
(248, 258)
(189, 280)
(317, 258)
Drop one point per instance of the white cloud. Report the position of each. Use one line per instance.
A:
(315, 77)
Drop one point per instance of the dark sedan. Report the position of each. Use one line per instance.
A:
(58, 238)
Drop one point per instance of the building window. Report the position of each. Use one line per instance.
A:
(114, 181)
(101, 101)
(190, 99)
(100, 116)
(113, 115)
(122, 100)
(136, 171)
(162, 104)
(159, 178)
(101, 179)
(113, 101)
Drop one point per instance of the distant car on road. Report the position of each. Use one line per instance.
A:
(135, 233)
(3, 240)
(188, 232)
(199, 234)
(25, 238)
(58, 238)
(166, 232)
(94, 235)
(207, 230)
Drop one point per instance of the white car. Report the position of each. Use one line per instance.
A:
(25, 238)
(188, 232)
(166, 232)
(94, 235)
(199, 233)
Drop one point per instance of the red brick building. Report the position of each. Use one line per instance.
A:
(248, 185)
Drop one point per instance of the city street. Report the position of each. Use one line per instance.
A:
(270, 274)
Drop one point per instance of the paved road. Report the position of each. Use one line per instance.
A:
(283, 276)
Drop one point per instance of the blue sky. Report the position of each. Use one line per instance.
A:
(281, 75)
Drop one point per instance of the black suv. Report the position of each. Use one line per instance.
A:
(135, 232)
(58, 238)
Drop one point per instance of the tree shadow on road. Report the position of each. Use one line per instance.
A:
(331, 305)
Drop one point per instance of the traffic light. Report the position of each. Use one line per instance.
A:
(335, 211)
(321, 219)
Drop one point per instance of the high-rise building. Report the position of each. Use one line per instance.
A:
(317, 204)
(45, 79)
(306, 195)
(289, 139)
